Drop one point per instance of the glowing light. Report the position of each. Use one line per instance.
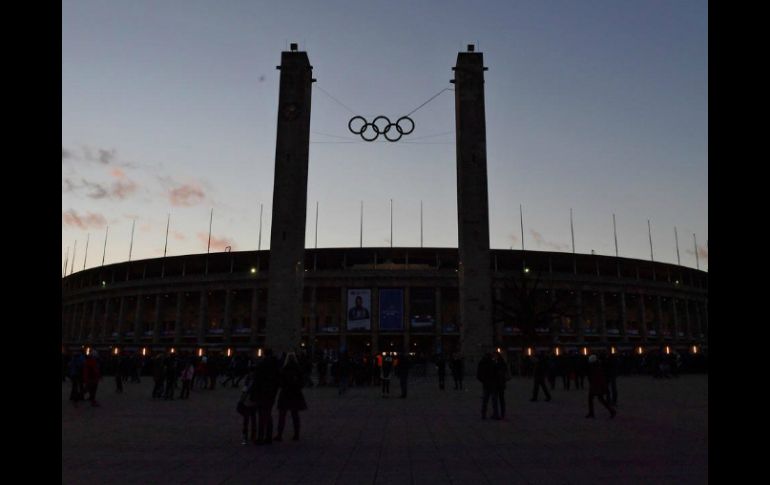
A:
(115, 351)
(556, 350)
(144, 351)
(253, 270)
(259, 352)
(668, 350)
(229, 352)
(639, 350)
(88, 350)
(694, 349)
(498, 350)
(529, 351)
(612, 350)
(104, 283)
(526, 270)
(173, 350)
(585, 350)
(200, 352)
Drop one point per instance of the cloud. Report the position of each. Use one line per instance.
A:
(541, 242)
(86, 221)
(146, 227)
(97, 190)
(217, 243)
(186, 195)
(118, 173)
(703, 253)
(122, 189)
(178, 235)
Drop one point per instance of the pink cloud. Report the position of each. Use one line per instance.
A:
(118, 173)
(89, 220)
(217, 243)
(186, 195)
(541, 242)
(177, 235)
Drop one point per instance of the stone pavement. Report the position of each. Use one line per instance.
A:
(659, 436)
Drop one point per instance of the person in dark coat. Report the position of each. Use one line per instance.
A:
(597, 386)
(119, 367)
(487, 374)
(539, 372)
(247, 407)
(456, 366)
(611, 372)
(385, 372)
(157, 376)
(291, 397)
(441, 366)
(76, 377)
(267, 388)
(91, 376)
(502, 375)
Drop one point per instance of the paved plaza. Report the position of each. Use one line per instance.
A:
(659, 436)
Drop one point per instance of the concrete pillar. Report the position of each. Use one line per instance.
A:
(138, 323)
(706, 320)
(202, 315)
(287, 238)
(343, 341)
(623, 321)
(105, 330)
(676, 320)
(659, 318)
(688, 324)
(474, 276)
(178, 318)
(254, 316)
(408, 319)
(375, 314)
(121, 317)
(642, 318)
(439, 322)
(228, 324)
(602, 318)
(579, 323)
(91, 334)
(156, 321)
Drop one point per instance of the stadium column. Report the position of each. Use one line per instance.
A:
(642, 318)
(676, 319)
(121, 316)
(227, 335)
(138, 318)
(602, 318)
(287, 238)
(623, 321)
(202, 311)
(156, 320)
(92, 324)
(254, 315)
(474, 278)
(688, 324)
(658, 319)
(180, 297)
(105, 331)
(579, 320)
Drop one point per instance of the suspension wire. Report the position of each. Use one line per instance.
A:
(335, 99)
(429, 100)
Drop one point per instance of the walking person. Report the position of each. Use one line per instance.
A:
(76, 377)
(611, 372)
(91, 376)
(119, 367)
(157, 376)
(597, 386)
(487, 374)
(267, 378)
(343, 373)
(247, 407)
(441, 367)
(291, 397)
(456, 366)
(188, 372)
(503, 375)
(539, 372)
(170, 373)
(385, 371)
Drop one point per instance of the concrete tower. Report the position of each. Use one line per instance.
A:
(475, 281)
(287, 238)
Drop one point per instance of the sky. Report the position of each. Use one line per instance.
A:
(170, 107)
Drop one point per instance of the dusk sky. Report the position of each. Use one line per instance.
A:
(598, 106)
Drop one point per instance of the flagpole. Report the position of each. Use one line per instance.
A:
(74, 251)
(165, 245)
(104, 251)
(66, 260)
(649, 231)
(316, 224)
(211, 220)
(615, 232)
(521, 220)
(695, 242)
(131, 246)
(676, 240)
(572, 233)
(85, 256)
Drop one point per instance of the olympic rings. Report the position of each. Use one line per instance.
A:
(371, 131)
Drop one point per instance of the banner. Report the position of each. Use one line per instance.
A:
(359, 309)
(391, 309)
(422, 307)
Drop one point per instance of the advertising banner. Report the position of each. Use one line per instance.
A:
(359, 309)
(391, 309)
